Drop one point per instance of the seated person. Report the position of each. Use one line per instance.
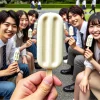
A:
(8, 68)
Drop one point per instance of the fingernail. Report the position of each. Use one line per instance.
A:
(48, 80)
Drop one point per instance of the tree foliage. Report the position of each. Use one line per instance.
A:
(53, 1)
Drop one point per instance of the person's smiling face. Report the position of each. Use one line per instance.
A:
(95, 30)
(24, 22)
(75, 20)
(8, 29)
(64, 17)
(32, 19)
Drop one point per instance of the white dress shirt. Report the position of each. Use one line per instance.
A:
(77, 2)
(39, 3)
(83, 31)
(94, 2)
(10, 49)
(33, 3)
(84, 2)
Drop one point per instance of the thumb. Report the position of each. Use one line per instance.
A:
(44, 88)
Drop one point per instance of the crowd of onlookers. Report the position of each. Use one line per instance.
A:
(93, 5)
(84, 61)
(33, 4)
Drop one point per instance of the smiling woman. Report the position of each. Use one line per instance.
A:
(89, 79)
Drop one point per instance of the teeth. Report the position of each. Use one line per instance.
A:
(75, 21)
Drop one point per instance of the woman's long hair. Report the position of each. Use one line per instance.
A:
(94, 19)
(25, 31)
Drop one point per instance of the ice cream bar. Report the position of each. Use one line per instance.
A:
(50, 41)
(16, 55)
(89, 41)
(71, 32)
(35, 25)
(65, 26)
(30, 33)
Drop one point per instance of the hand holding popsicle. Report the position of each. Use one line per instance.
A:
(30, 33)
(89, 41)
(50, 41)
(88, 53)
(35, 25)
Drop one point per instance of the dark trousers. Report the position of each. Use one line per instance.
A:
(93, 8)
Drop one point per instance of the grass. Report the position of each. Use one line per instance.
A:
(27, 9)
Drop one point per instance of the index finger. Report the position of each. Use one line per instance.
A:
(14, 63)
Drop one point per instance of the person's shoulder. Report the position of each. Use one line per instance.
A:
(85, 22)
(10, 40)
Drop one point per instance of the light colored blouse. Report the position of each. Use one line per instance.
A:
(18, 41)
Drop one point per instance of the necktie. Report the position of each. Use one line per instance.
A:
(82, 39)
(4, 66)
(4, 57)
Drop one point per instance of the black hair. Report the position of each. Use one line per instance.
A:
(63, 11)
(25, 31)
(33, 12)
(76, 10)
(94, 19)
(35, 1)
(5, 14)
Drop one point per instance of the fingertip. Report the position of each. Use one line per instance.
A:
(48, 80)
(57, 81)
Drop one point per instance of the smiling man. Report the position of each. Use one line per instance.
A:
(75, 59)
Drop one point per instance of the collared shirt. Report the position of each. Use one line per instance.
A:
(97, 57)
(10, 49)
(93, 2)
(84, 2)
(77, 2)
(33, 3)
(83, 31)
(39, 3)
(18, 41)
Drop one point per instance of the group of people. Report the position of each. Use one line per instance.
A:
(93, 5)
(84, 62)
(14, 28)
(34, 2)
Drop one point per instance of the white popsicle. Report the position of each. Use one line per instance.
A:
(65, 26)
(35, 25)
(71, 32)
(30, 33)
(89, 41)
(50, 41)
(16, 55)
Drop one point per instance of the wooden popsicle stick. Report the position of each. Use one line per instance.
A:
(49, 72)
(87, 47)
